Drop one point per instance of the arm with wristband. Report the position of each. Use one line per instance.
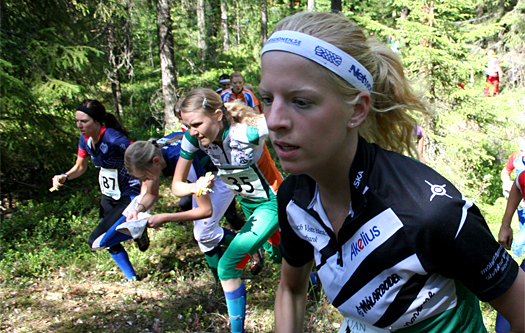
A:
(76, 171)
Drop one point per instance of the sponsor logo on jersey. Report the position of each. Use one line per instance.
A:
(358, 178)
(104, 147)
(307, 230)
(416, 313)
(500, 261)
(365, 238)
(369, 301)
(438, 190)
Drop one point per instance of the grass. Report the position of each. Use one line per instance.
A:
(58, 285)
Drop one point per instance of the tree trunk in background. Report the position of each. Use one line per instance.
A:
(112, 72)
(167, 64)
(201, 24)
(211, 18)
(224, 24)
(116, 94)
(336, 6)
(264, 21)
(311, 5)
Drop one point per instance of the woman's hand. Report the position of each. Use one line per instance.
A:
(156, 221)
(505, 236)
(58, 180)
(203, 184)
(134, 215)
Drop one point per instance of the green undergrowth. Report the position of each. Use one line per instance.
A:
(50, 281)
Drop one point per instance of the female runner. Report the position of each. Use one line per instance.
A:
(147, 160)
(233, 135)
(397, 247)
(104, 139)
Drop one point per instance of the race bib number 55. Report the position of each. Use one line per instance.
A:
(108, 180)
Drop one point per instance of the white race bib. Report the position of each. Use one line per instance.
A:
(244, 182)
(108, 180)
(354, 325)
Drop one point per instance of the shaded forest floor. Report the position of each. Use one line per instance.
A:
(77, 290)
(181, 297)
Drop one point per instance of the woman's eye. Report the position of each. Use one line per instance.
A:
(267, 100)
(301, 103)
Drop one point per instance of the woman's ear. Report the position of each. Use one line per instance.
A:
(155, 160)
(360, 110)
(219, 114)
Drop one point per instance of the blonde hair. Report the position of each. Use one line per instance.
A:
(139, 156)
(389, 122)
(207, 101)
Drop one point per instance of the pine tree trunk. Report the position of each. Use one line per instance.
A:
(311, 5)
(336, 6)
(264, 21)
(116, 93)
(224, 24)
(112, 71)
(201, 24)
(167, 64)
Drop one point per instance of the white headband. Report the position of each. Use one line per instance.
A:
(224, 81)
(323, 53)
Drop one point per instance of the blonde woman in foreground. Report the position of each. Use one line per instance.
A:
(397, 247)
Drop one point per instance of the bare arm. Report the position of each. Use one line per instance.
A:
(505, 232)
(179, 186)
(150, 188)
(511, 304)
(505, 178)
(204, 210)
(290, 300)
(76, 171)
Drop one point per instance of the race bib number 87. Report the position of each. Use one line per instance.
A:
(108, 180)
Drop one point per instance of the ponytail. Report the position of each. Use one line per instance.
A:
(96, 110)
(391, 120)
(112, 122)
(139, 156)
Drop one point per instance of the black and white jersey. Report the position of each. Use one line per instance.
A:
(407, 250)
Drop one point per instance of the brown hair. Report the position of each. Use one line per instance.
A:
(100, 115)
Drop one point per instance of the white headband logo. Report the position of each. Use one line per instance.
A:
(323, 53)
(224, 81)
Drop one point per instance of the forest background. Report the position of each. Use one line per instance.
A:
(139, 58)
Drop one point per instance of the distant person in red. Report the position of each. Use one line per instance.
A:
(239, 93)
(493, 73)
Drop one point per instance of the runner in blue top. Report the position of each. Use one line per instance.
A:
(105, 140)
(397, 246)
(147, 160)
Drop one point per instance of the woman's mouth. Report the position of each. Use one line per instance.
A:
(285, 149)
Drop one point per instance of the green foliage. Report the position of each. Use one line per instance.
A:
(37, 235)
